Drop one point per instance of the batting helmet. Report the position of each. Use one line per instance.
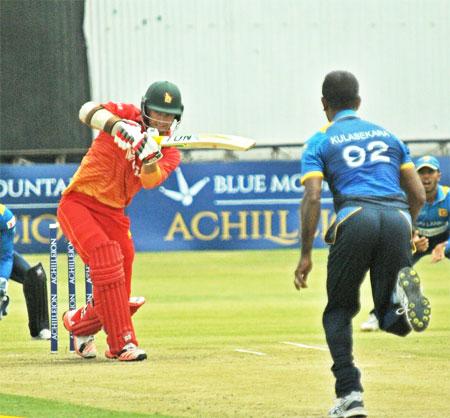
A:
(162, 96)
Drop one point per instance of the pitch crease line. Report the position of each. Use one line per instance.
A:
(256, 353)
(312, 347)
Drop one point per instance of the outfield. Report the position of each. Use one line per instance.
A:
(201, 308)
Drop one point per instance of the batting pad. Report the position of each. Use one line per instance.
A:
(110, 295)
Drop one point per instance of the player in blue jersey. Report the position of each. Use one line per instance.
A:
(33, 279)
(432, 227)
(7, 231)
(433, 223)
(368, 171)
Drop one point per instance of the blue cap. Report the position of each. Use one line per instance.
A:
(428, 161)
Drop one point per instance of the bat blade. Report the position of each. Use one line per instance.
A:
(207, 141)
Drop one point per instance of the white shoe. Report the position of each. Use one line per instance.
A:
(351, 405)
(3, 287)
(85, 346)
(371, 324)
(44, 334)
(129, 353)
(4, 302)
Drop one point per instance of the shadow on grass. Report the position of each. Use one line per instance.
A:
(25, 406)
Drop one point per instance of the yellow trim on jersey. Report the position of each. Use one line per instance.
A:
(445, 190)
(324, 128)
(336, 226)
(407, 165)
(411, 231)
(311, 174)
(2, 209)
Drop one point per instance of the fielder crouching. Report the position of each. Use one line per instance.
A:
(33, 279)
(122, 159)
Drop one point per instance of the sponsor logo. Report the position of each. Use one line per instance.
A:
(185, 193)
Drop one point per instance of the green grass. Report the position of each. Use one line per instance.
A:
(201, 307)
(26, 406)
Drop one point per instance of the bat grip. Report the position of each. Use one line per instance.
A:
(156, 138)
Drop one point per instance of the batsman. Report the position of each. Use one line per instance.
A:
(123, 159)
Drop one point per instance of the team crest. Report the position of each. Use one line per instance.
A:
(443, 212)
(11, 223)
(167, 98)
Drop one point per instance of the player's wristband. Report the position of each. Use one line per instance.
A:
(447, 249)
(152, 160)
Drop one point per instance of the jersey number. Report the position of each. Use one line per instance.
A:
(355, 156)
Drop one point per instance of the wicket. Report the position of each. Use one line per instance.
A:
(71, 286)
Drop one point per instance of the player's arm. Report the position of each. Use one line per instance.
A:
(6, 261)
(415, 192)
(442, 250)
(96, 116)
(7, 232)
(312, 175)
(128, 135)
(152, 175)
(309, 218)
(421, 243)
(310, 212)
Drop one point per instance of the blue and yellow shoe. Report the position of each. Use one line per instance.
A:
(415, 305)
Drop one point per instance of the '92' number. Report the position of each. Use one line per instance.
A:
(355, 156)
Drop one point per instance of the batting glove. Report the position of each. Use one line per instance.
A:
(147, 150)
(128, 134)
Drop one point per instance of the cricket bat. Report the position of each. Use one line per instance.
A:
(97, 117)
(206, 141)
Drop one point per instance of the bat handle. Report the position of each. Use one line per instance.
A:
(156, 138)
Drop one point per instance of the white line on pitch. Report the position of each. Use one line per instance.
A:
(313, 347)
(256, 353)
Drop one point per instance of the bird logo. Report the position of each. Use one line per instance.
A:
(185, 194)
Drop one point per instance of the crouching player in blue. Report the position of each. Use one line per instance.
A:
(433, 223)
(33, 279)
(368, 171)
(432, 227)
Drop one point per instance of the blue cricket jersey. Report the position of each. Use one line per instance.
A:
(360, 161)
(433, 221)
(7, 231)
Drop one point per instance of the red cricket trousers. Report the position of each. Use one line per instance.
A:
(87, 223)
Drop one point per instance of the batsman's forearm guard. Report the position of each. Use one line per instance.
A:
(97, 117)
